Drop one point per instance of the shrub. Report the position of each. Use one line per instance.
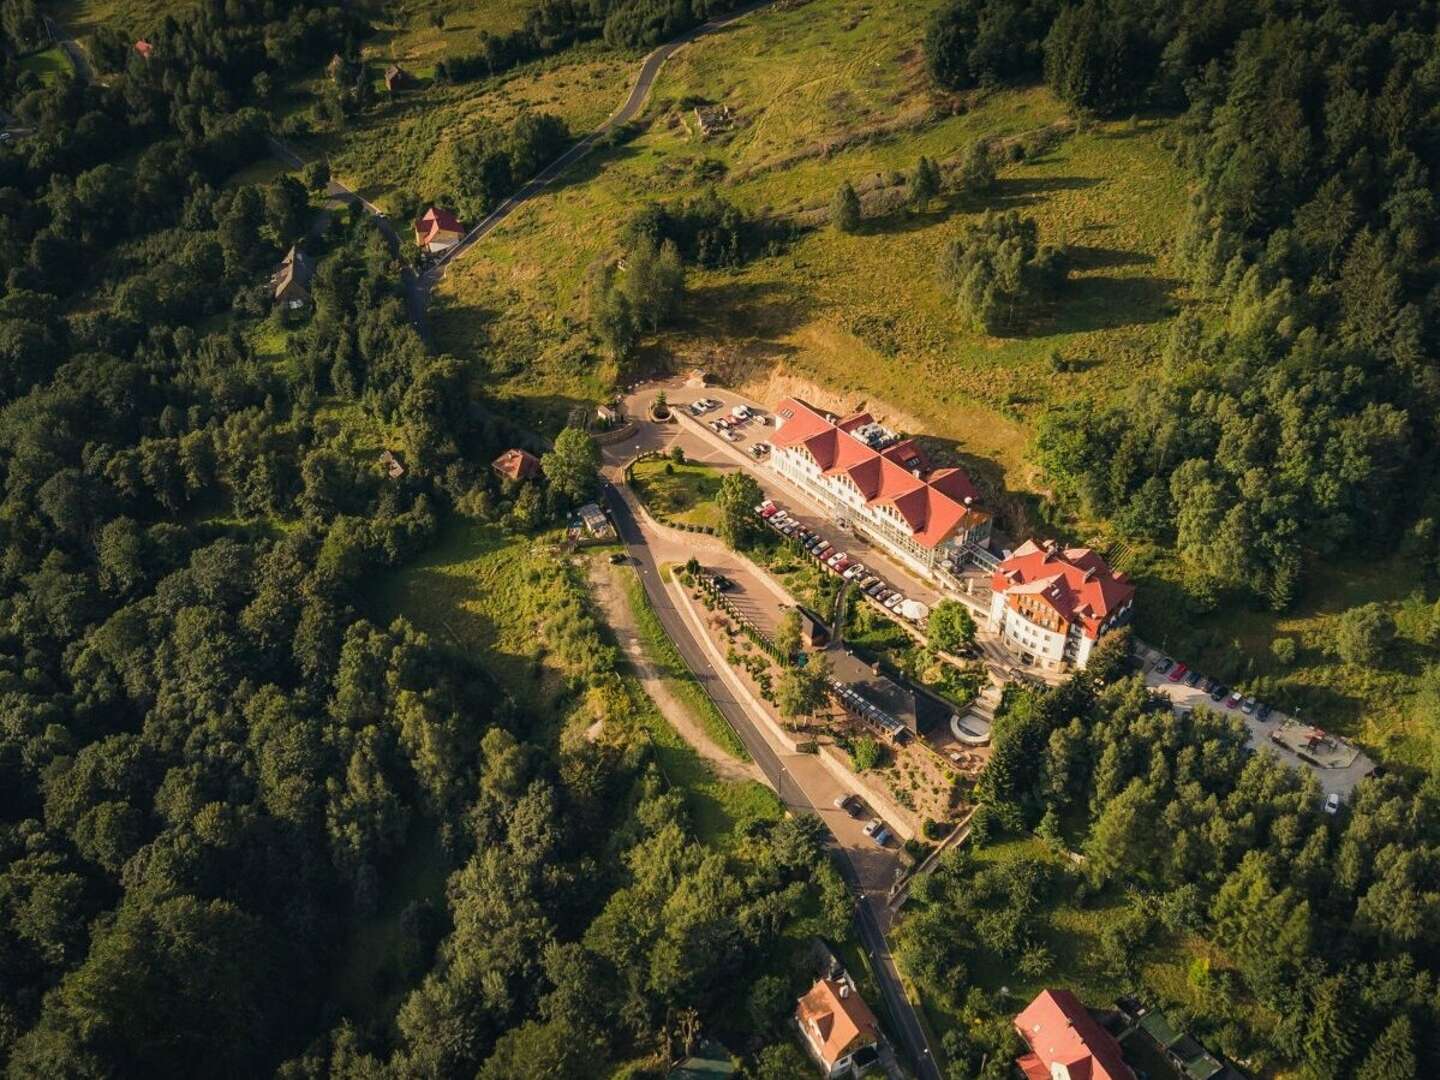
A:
(1284, 650)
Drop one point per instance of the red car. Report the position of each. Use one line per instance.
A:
(769, 511)
(1233, 700)
(1177, 672)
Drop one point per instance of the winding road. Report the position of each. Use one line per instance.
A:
(639, 93)
(909, 1033)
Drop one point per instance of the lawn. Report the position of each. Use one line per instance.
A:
(83, 17)
(662, 653)
(50, 65)
(678, 494)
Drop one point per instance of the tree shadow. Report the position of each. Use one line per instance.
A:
(1105, 302)
(1013, 192)
(1089, 257)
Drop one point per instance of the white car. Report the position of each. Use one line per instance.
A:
(895, 601)
(1332, 803)
(731, 436)
(835, 558)
(740, 412)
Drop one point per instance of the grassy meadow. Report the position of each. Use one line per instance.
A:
(828, 92)
(50, 65)
(679, 494)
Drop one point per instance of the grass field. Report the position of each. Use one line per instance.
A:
(663, 654)
(486, 593)
(678, 494)
(50, 65)
(827, 92)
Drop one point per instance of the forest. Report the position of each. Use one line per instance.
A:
(1326, 926)
(214, 752)
(1295, 420)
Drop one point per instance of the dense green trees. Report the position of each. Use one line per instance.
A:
(950, 626)
(1328, 921)
(973, 42)
(997, 267)
(737, 497)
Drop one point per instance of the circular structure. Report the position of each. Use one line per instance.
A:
(970, 729)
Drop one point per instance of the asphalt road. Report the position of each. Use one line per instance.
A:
(623, 115)
(910, 1035)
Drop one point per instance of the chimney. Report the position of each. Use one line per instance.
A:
(969, 499)
(1089, 574)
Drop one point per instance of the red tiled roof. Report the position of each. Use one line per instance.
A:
(144, 48)
(1059, 1028)
(932, 505)
(835, 1013)
(1076, 582)
(435, 221)
(516, 464)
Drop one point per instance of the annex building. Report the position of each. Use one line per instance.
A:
(882, 484)
(1050, 605)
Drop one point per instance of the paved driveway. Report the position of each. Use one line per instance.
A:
(1346, 767)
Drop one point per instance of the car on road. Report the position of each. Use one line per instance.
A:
(1332, 803)
(1163, 665)
(1220, 693)
(1178, 672)
(851, 804)
(1192, 678)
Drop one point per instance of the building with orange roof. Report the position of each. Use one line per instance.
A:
(884, 485)
(516, 464)
(1050, 605)
(839, 1029)
(438, 230)
(1066, 1043)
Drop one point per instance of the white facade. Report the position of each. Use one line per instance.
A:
(1046, 647)
(878, 521)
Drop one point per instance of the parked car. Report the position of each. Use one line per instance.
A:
(875, 589)
(853, 571)
(1163, 664)
(740, 412)
(840, 565)
(1263, 711)
(875, 829)
(1192, 678)
(1178, 672)
(1247, 705)
(957, 757)
(822, 550)
(1233, 701)
(1220, 692)
(895, 601)
(831, 560)
(721, 582)
(789, 528)
(850, 804)
(760, 449)
(1332, 803)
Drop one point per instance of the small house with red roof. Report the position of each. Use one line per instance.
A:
(438, 230)
(884, 485)
(839, 1030)
(1050, 605)
(516, 464)
(144, 48)
(1066, 1042)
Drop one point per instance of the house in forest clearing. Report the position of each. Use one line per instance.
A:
(438, 230)
(517, 465)
(292, 280)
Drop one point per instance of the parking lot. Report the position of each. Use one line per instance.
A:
(1337, 764)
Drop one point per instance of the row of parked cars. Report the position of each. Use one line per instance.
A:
(1219, 693)
(820, 549)
(875, 829)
